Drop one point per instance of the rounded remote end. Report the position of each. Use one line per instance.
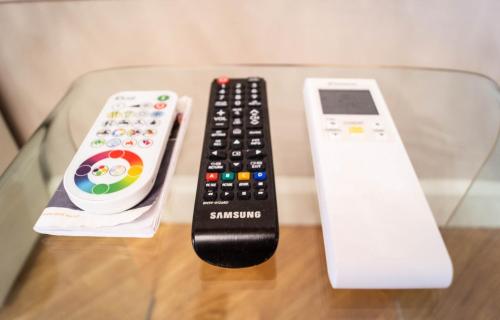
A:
(235, 249)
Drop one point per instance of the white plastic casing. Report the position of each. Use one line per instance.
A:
(378, 229)
(119, 104)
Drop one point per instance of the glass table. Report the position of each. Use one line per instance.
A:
(449, 122)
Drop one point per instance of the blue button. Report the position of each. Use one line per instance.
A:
(260, 176)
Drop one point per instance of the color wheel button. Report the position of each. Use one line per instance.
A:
(83, 170)
(83, 182)
(115, 154)
(135, 171)
(117, 170)
(100, 188)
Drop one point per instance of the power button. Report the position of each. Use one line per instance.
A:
(222, 80)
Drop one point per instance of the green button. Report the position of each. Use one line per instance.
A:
(163, 98)
(100, 189)
(98, 143)
(228, 176)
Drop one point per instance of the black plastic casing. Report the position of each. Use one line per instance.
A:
(236, 242)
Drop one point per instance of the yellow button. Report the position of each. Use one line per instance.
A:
(356, 130)
(135, 171)
(243, 176)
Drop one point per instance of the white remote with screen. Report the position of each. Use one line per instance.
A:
(116, 165)
(378, 229)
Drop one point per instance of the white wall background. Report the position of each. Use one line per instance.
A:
(44, 46)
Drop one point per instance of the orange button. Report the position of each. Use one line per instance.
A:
(243, 176)
(212, 177)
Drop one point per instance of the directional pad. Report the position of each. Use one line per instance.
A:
(255, 154)
(236, 144)
(236, 166)
(217, 155)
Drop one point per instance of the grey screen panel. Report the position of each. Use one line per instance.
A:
(347, 102)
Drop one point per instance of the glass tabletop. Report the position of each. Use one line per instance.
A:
(449, 122)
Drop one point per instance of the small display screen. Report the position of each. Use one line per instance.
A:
(347, 102)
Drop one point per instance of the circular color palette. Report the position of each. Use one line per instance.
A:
(82, 173)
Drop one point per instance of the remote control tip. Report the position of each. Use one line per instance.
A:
(237, 249)
(222, 80)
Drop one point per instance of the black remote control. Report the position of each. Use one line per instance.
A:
(235, 220)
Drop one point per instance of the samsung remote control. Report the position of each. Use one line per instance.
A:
(235, 221)
(116, 165)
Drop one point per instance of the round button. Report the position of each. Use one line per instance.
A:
(128, 143)
(135, 171)
(160, 106)
(114, 115)
(117, 170)
(154, 122)
(129, 114)
(145, 143)
(163, 98)
(109, 123)
(222, 80)
(156, 114)
(100, 188)
(83, 170)
(100, 171)
(133, 132)
(97, 143)
(113, 142)
(102, 132)
(149, 132)
(119, 132)
(139, 122)
(115, 154)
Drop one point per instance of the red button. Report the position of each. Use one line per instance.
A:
(212, 177)
(160, 105)
(222, 80)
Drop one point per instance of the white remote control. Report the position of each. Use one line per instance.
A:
(116, 165)
(378, 229)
